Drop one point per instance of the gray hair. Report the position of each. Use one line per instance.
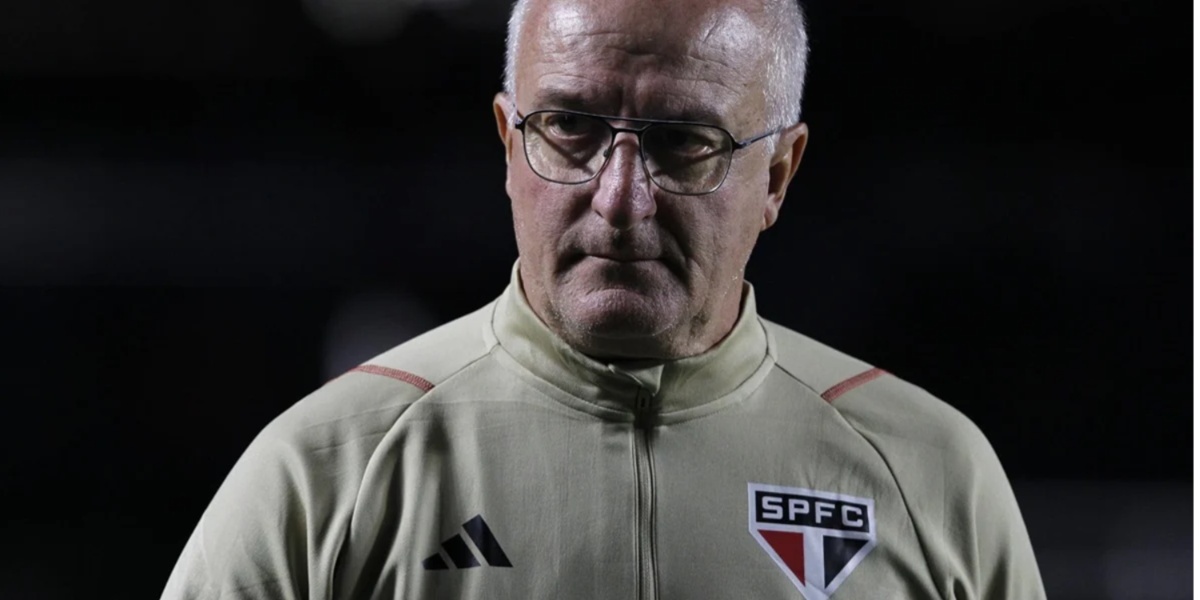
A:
(787, 64)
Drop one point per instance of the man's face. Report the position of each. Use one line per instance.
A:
(617, 266)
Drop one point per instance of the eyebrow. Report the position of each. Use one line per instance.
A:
(564, 99)
(561, 99)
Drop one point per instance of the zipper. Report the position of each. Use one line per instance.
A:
(647, 567)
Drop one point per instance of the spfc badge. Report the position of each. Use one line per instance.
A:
(817, 538)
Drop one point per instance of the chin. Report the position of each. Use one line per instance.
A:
(620, 315)
(617, 309)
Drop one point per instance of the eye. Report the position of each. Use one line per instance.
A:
(569, 125)
(685, 140)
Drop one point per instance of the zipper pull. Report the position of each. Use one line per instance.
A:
(642, 400)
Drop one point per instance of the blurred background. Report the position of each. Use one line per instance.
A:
(207, 209)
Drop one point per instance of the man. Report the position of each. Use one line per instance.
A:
(620, 423)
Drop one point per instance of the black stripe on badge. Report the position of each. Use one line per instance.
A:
(481, 534)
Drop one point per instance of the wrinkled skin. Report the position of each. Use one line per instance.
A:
(617, 267)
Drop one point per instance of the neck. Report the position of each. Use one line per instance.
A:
(582, 381)
(694, 336)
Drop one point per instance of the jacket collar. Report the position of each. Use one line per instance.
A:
(640, 386)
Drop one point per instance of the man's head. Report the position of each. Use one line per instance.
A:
(617, 265)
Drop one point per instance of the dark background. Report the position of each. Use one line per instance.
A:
(209, 208)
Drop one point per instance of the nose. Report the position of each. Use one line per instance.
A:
(623, 195)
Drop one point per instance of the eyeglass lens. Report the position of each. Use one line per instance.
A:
(680, 158)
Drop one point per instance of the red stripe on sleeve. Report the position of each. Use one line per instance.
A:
(832, 393)
(424, 384)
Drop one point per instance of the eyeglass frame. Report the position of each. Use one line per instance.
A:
(521, 120)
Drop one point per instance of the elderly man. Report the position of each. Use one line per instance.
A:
(621, 423)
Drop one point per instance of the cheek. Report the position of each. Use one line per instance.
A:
(715, 226)
(719, 231)
(747, 204)
(539, 218)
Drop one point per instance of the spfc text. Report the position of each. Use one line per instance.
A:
(810, 511)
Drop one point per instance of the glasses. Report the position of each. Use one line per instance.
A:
(680, 157)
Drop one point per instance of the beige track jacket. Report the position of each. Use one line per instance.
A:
(487, 459)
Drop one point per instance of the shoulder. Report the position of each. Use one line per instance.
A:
(951, 482)
(370, 397)
(312, 460)
(437, 354)
(876, 403)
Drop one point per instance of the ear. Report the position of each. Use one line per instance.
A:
(783, 167)
(504, 109)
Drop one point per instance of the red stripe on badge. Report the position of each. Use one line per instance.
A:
(789, 546)
(424, 384)
(832, 393)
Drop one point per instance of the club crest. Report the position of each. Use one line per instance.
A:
(817, 538)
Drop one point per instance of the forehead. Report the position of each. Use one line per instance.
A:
(699, 60)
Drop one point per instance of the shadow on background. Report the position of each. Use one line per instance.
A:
(209, 209)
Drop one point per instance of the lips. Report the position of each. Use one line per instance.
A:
(619, 247)
(623, 258)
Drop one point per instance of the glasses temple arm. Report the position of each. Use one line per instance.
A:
(738, 145)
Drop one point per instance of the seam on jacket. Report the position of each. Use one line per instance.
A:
(523, 372)
(899, 489)
(404, 410)
(797, 378)
(334, 579)
(400, 375)
(850, 383)
(720, 411)
(277, 582)
(209, 591)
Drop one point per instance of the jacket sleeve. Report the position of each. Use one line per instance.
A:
(276, 527)
(990, 556)
(957, 494)
(255, 539)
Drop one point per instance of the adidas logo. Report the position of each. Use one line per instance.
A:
(459, 553)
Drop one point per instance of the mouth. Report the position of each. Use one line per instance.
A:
(622, 258)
